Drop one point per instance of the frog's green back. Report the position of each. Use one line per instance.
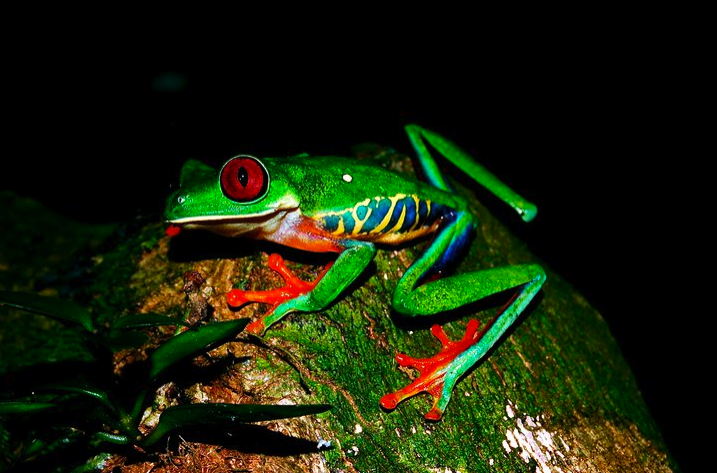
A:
(332, 184)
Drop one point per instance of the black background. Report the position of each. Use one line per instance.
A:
(586, 132)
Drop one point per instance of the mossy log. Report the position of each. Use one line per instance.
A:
(554, 395)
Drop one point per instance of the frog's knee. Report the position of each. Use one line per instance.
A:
(537, 273)
(401, 303)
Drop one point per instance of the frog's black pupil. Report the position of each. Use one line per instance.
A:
(243, 176)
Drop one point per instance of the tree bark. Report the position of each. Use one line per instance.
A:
(554, 395)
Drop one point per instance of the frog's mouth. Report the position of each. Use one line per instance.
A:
(266, 222)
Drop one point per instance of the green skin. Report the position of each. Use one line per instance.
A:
(330, 204)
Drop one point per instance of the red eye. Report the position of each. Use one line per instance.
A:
(244, 179)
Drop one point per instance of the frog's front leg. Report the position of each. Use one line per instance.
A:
(302, 296)
(439, 373)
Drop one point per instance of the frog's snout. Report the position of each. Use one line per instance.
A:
(174, 208)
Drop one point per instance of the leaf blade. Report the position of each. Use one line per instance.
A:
(192, 342)
(84, 388)
(23, 407)
(224, 415)
(61, 310)
(147, 320)
(117, 340)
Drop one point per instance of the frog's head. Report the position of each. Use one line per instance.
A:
(241, 198)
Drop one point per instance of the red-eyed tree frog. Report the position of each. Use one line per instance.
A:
(347, 206)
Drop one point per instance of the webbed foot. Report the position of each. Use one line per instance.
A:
(293, 288)
(438, 374)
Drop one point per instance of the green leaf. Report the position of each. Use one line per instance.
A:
(54, 445)
(37, 446)
(99, 438)
(84, 388)
(59, 309)
(23, 407)
(118, 340)
(193, 342)
(224, 415)
(136, 321)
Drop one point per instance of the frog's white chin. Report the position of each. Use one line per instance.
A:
(233, 226)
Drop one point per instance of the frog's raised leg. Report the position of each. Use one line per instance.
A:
(465, 163)
(439, 374)
(301, 296)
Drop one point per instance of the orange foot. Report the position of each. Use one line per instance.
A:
(438, 374)
(293, 288)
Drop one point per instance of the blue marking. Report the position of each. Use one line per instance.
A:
(457, 246)
(437, 211)
(422, 211)
(452, 253)
(349, 221)
(378, 212)
(331, 222)
(397, 209)
(410, 218)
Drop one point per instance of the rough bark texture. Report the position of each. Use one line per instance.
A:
(555, 395)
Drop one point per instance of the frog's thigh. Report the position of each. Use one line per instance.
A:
(458, 290)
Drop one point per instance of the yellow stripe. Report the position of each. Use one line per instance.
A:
(340, 227)
(416, 200)
(387, 218)
(358, 224)
(400, 221)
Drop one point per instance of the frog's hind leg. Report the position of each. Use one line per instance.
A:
(467, 164)
(459, 236)
(439, 373)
